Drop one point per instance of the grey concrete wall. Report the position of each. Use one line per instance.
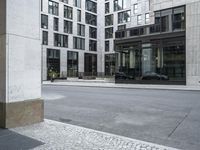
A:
(193, 43)
(21, 43)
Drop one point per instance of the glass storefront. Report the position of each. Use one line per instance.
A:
(157, 61)
(154, 53)
(53, 62)
(72, 64)
(90, 67)
(110, 64)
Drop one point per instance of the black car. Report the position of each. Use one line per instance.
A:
(154, 76)
(122, 76)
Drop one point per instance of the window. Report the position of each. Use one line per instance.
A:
(121, 4)
(109, 33)
(77, 3)
(53, 61)
(139, 19)
(64, 1)
(53, 8)
(72, 64)
(55, 24)
(108, 20)
(90, 64)
(91, 19)
(80, 29)
(44, 37)
(91, 6)
(124, 17)
(135, 8)
(107, 8)
(147, 20)
(93, 32)
(93, 45)
(122, 27)
(60, 40)
(110, 64)
(179, 18)
(107, 46)
(68, 12)
(165, 16)
(79, 15)
(79, 43)
(68, 26)
(44, 21)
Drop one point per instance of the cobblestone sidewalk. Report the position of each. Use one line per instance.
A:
(60, 136)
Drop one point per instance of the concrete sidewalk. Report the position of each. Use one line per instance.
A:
(55, 135)
(111, 84)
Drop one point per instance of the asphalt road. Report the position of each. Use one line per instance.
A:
(170, 118)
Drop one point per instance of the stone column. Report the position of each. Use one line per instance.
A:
(20, 63)
(192, 44)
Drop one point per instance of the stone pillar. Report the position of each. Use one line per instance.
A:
(132, 59)
(20, 63)
(192, 44)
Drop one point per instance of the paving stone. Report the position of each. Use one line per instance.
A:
(61, 136)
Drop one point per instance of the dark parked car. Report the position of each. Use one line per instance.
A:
(123, 76)
(154, 76)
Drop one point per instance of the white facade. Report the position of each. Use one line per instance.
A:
(144, 7)
(20, 51)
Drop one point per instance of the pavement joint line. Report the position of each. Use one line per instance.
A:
(180, 123)
(55, 133)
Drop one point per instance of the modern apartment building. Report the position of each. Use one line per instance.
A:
(144, 41)
(70, 38)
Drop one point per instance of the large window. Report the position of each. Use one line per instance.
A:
(93, 32)
(44, 37)
(109, 33)
(169, 20)
(109, 64)
(72, 64)
(44, 21)
(90, 19)
(124, 16)
(77, 3)
(64, 1)
(107, 46)
(91, 6)
(135, 8)
(107, 8)
(80, 29)
(53, 62)
(60, 40)
(79, 43)
(121, 4)
(93, 45)
(68, 12)
(53, 8)
(155, 61)
(90, 64)
(79, 15)
(178, 18)
(108, 20)
(55, 24)
(68, 26)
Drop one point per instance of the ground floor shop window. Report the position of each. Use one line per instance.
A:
(90, 65)
(153, 61)
(72, 64)
(53, 62)
(110, 64)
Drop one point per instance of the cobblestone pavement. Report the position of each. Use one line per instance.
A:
(60, 136)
